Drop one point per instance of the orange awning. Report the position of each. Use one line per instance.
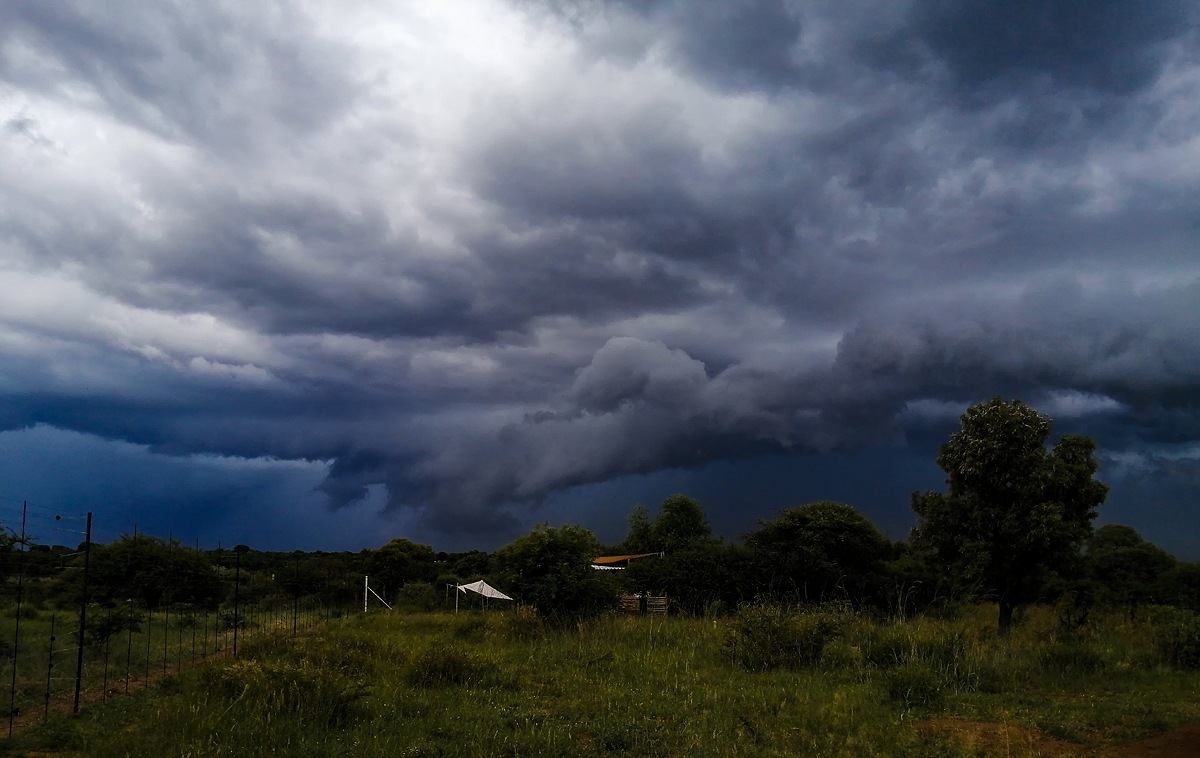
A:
(618, 558)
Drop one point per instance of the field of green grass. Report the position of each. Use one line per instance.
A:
(768, 682)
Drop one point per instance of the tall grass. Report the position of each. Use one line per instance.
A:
(501, 684)
(123, 646)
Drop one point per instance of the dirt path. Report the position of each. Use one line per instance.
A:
(1018, 742)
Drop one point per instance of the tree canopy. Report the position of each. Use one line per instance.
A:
(821, 550)
(399, 562)
(1014, 510)
(551, 569)
(1125, 568)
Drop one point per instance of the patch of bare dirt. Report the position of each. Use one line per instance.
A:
(1003, 739)
(1180, 742)
(1017, 742)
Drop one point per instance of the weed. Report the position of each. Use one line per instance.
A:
(765, 637)
(913, 684)
(1073, 656)
(1177, 638)
(441, 665)
(287, 686)
(467, 626)
(521, 625)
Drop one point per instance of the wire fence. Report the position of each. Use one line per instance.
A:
(74, 648)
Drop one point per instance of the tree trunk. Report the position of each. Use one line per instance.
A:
(1006, 614)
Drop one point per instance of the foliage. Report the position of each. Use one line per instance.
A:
(149, 570)
(913, 684)
(1125, 568)
(523, 624)
(1180, 586)
(680, 524)
(640, 537)
(765, 637)
(1071, 656)
(398, 563)
(1177, 638)
(421, 596)
(442, 665)
(1014, 510)
(471, 566)
(550, 569)
(654, 687)
(695, 577)
(695, 569)
(323, 693)
(102, 626)
(821, 551)
(911, 645)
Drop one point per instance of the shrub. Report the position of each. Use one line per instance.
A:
(551, 569)
(294, 687)
(1071, 657)
(767, 637)
(442, 665)
(1177, 638)
(899, 646)
(353, 655)
(419, 595)
(523, 624)
(468, 625)
(913, 684)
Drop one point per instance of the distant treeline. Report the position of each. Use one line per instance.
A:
(814, 553)
(1015, 528)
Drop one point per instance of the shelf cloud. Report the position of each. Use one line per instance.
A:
(479, 253)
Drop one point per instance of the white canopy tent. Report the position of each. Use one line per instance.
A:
(481, 588)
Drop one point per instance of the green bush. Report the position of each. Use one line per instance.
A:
(288, 686)
(1074, 657)
(420, 596)
(913, 685)
(470, 625)
(895, 647)
(522, 624)
(354, 655)
(443, 665)
(1177, 638)
(765, 637)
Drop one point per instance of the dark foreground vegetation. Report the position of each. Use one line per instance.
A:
(766, 681)
(815, 636)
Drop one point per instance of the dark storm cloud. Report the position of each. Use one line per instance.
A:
(1054, 71)
(1112, 46)
(739, 43)
(480, 255)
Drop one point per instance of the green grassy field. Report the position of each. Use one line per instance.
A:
(496, 684)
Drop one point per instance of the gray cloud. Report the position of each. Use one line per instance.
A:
(480, 255)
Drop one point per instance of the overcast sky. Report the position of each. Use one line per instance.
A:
(319, 274)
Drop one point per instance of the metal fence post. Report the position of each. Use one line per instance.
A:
(87, 555)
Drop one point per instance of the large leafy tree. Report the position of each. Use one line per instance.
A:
(1015, 510)
(150, 570)
(695, 568)
(821, 550)
(398, 563)
(551, 569)
(1126, 568)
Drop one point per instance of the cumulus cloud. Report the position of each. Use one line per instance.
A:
(481, 252)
